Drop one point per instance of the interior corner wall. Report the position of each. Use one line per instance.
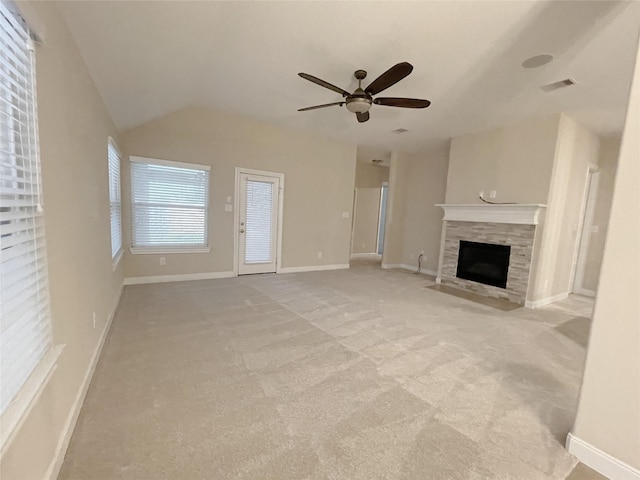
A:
(419, 183)
(553, 266)
(369, 175)
(74, 126)
(609, 404)
(608, 161)
(319, 180)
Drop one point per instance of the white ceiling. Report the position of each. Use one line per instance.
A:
(151, 58)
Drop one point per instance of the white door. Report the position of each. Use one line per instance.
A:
(258, 223)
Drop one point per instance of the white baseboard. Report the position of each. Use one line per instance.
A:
(600, 461)
(585, 292)
(177, 278)
(63, 443)
(365, 255)
(313, 268)
(411, 268)
(545, 301)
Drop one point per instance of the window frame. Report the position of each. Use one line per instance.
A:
(169, 249)
(117, 256)
(33, 383)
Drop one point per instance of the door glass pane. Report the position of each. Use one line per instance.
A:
(259, 221)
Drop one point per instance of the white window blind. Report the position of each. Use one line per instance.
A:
(115, 201)
(25, 330)
(170, 202)
(258, 246)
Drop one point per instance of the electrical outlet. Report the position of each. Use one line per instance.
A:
(492, 194)
(94, 319)
(163, 261)
(345, 214)
(481, 193)
(319, 254)
(421, 252)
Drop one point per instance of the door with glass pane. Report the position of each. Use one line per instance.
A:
(258, 223)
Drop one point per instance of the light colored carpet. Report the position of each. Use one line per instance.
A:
(354, 374)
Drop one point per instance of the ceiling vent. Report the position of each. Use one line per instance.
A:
(557, 85)
(398, 131)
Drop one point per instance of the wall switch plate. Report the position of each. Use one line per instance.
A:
(492, 194)
(163, 261)
(345, 214)
(228, 207)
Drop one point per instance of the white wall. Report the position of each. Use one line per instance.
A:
(74, 126)
(319, 179)
(369, 175)
(609, 407)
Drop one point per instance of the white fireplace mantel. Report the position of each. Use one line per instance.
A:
(519, 213)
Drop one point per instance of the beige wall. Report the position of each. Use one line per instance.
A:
(515, 161)
(319, 179)
(609, 407)
(419, 182)
(74, 126)
(365, 220)
(369, 175)
(607, 162)
(576, 149)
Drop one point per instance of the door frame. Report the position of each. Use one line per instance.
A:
(236, 216)
(584, 233)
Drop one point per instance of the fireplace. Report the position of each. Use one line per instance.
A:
(484, 263)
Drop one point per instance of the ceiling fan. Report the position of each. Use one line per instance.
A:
(359, 102)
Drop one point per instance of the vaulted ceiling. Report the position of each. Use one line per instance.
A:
(151, 58)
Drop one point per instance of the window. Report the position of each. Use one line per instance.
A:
(170, 203)
(115, 203)
(25, 328)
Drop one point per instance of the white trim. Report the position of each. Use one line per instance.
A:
(63, 443)
(546, 301)
(412, 268)
(160, 250)
(116, 259)
(600, 461)
(18, 410)
(314, 268)
(585, 292)
(236, 215)
(518, 213)
(366, 255)
(169, 163)
(186, 277)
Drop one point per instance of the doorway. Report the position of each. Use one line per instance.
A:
(593, 180)
(258, 221)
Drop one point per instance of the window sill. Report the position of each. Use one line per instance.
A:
(159, 250)
(116, 259)
(19, 408)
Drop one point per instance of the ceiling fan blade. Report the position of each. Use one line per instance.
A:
(390, 77)
(324, 84)
(402, 102)
(320, 106)
(362, 116)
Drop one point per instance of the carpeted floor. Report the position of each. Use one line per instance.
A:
(352, 374)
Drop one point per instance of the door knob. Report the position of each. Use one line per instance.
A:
(242, 230)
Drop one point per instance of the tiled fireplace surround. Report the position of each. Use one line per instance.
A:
(513, 225)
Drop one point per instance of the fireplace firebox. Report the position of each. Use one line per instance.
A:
(484, 263)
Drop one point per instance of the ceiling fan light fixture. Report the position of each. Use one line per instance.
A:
(358, 105)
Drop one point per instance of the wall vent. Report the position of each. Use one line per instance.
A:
(567, 82)
(398, 131)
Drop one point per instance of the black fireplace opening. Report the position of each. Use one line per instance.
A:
(484, 263)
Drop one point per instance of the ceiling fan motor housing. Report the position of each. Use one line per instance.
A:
(359, 101)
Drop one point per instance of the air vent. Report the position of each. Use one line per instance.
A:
(556, 85)
(398, 131)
